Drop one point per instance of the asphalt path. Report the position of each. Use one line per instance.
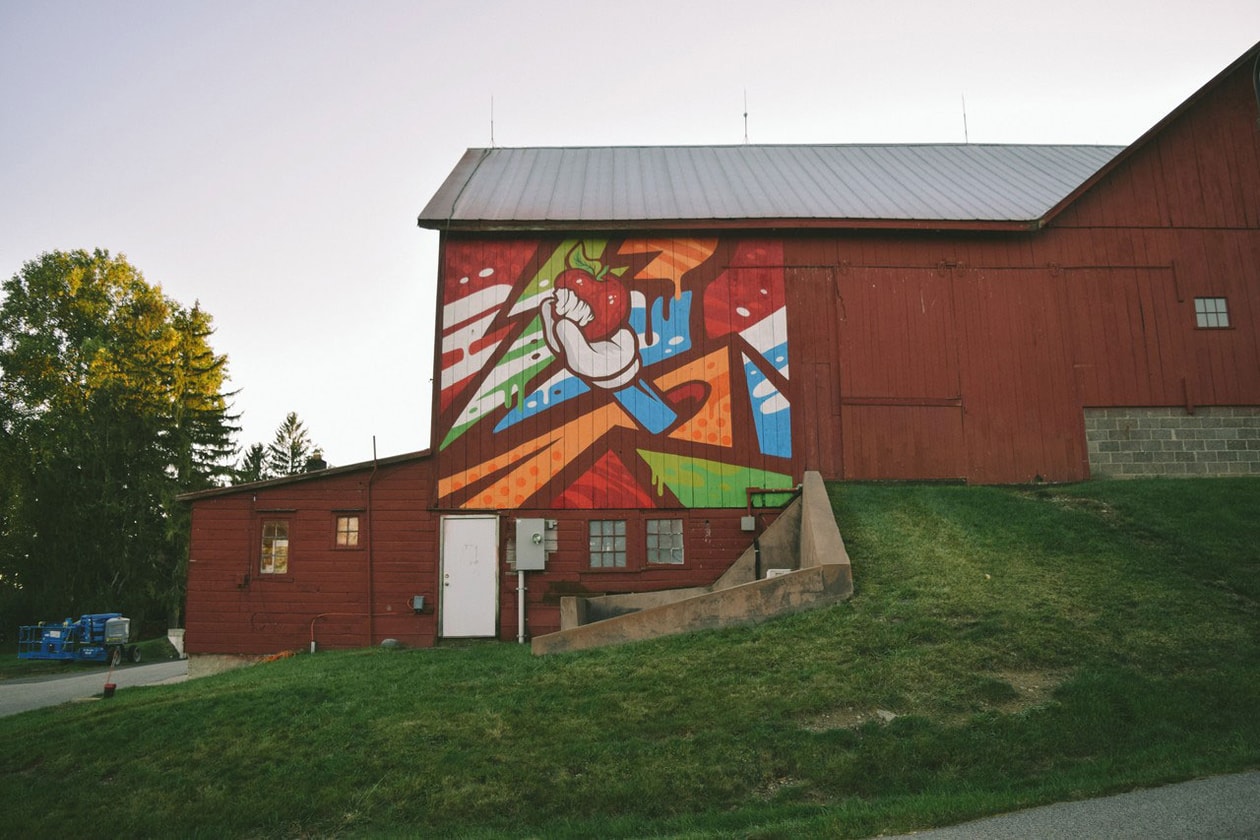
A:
(1215, 808)
(24, 694)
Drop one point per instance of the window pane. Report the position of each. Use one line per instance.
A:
(274, 557)
(607, 543)
(665, 541)
(1211, 313)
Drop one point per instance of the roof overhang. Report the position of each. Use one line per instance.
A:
(299, 478)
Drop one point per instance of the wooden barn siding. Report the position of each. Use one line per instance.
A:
(272, 613)
(974, 355)
(712, 541)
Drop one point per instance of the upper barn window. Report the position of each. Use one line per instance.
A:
(1211, 313)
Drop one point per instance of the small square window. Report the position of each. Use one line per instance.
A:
(1211, 313)
(608, 543)
(275, 548)
(665, 541)
(347, 531)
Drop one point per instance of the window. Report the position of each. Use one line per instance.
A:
(665, 541)
(608, 543)
(347, 531)
(275, 548)
(1211, 313)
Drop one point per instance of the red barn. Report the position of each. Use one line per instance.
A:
(634, 344)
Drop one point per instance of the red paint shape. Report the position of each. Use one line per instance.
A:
(743, 295)
(608, 484)
(487, 341)
(471, 267)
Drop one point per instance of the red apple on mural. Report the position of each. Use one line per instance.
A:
(606, 297)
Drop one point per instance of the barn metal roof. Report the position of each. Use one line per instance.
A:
(823, 185)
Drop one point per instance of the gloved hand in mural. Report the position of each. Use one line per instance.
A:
(608, 363)
(586, 325)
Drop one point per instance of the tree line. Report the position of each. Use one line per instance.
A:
(112, 403)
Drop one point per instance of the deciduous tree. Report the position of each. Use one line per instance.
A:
(112, 403)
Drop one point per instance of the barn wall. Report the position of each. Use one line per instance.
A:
(355, 596)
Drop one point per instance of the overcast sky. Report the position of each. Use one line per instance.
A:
(269, 159)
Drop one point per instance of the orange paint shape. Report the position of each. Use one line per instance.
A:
(540, 460)
(676, 257)
(716, 411)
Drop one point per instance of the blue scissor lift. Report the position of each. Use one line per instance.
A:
(99, 637)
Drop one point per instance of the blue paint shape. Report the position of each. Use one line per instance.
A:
(648, 408)
(772, 414)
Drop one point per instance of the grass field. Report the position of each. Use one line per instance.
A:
(1005, 647)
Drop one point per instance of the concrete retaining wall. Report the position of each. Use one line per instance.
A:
(804, 538)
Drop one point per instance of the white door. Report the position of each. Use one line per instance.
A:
(470, 576)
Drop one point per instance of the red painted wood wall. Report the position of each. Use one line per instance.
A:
(355, 597)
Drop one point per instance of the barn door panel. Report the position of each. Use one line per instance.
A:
(901, 400)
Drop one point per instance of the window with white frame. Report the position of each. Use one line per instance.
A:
(1211, 313)
(608, 543)
(665, 541)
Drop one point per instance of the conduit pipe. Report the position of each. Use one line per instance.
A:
(520, 607)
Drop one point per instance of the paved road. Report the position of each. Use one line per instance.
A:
(1217, 808)
(22, 695)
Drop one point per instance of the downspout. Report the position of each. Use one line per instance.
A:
(371, 566)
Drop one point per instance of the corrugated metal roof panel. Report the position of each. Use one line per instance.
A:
(588, 185)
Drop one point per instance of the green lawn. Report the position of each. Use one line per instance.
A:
(1005, 647)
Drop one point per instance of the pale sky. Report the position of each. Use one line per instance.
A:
(269, 159)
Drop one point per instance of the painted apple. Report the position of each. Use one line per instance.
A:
(607, 298)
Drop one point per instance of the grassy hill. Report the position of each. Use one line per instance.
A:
(1006, 647)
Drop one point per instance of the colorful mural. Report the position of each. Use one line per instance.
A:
(635, 373)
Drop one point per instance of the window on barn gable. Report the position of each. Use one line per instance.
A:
(1211, 313)
(608, 543)
(275, 548)
(346, 530)
(665, 541)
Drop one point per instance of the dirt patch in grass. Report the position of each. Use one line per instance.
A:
(1009, 692)
(846, 717)
(1032, 688)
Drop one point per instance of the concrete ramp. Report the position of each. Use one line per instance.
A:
(799, 563)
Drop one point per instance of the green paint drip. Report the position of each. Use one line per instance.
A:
(511, 376)
(700, 483)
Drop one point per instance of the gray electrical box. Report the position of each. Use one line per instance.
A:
(531, 545)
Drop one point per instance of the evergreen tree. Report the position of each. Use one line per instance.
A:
(291, 447)
(253, 465)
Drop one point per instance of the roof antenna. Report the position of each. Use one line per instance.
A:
(745, 116)
(966, 137)
(492, 120)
